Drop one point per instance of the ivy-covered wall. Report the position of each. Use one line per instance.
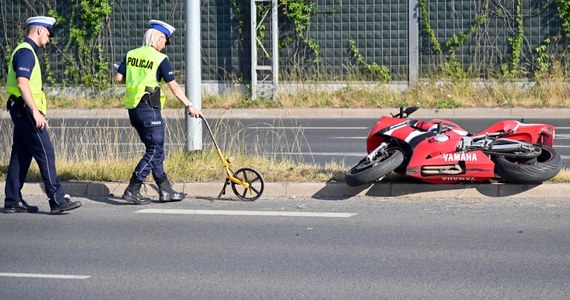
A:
(508, 38)
(319, 39)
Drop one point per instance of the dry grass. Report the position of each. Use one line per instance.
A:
(562, 177)
(551, 91)
(183, 167)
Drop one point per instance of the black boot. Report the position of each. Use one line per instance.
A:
(166, 193)
(132, 193)
(64, 205)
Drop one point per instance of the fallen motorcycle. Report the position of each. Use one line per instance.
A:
(441, 152)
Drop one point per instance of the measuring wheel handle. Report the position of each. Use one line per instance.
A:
(253, 187)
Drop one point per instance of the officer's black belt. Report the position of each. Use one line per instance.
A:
(14, 100)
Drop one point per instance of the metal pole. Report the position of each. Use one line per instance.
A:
(413, 42)
(274, 46)
(253, 33)
(193, 86)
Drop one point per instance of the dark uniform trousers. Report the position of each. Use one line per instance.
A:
(147, 120)
(30, 142)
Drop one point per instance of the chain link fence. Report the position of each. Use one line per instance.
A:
(479, 35)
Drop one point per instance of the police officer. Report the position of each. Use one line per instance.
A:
(27, 106)
(142, 70)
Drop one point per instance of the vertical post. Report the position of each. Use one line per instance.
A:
(193, 86)
(413, 42)
(253, 33)
(274, 47)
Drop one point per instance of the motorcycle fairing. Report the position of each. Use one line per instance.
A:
(530, 133)
(439, 162)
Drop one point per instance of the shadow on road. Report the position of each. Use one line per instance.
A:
(341, 191)
(94, 191)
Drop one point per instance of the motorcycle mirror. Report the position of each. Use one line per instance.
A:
(409, 110)
(399, 115)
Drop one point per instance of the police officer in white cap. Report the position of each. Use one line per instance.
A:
(27, 106)
(142, 71)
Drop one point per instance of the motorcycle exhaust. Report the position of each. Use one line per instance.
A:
(442, 170)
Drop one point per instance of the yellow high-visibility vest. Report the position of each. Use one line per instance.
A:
(36, 83)
(142, 65)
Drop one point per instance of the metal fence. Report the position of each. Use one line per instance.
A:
(378, 28)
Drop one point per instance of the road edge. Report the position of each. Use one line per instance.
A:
(326, 191)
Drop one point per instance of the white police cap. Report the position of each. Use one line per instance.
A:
(163, 27)
(46, 22)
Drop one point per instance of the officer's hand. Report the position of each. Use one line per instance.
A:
(41, 122)
(194, 112)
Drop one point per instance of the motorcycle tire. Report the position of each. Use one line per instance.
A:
(370, 171)
(523, 170)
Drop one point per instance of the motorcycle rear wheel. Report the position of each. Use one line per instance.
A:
(523, 170)
(369, 171)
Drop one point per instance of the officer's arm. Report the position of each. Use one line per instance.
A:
(121, 71)
(180, 95)
(26, 91)
(120, 78)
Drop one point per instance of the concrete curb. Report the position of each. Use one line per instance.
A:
(326, 191)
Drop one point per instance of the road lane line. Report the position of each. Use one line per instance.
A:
(304, 128)
(50, 276)
(321, 153)
(244, 213)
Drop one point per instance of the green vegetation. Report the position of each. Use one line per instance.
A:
(188, 167)
(553, 90)
(86, 163)
(375, 72)
(449, 84)
(90, 65)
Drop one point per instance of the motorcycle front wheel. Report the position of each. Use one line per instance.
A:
(369, 171)
(529, 171)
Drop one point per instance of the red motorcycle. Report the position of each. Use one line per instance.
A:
(440, 151)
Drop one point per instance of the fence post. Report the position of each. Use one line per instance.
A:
(413, 42)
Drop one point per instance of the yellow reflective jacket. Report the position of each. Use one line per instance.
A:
(141, 65)
(36, 84)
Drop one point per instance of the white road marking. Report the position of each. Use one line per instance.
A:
(305, 128)
(245, 213)
(100, 127)
(321, 153)
(50, 276)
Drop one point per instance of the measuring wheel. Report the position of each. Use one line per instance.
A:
(255, 181)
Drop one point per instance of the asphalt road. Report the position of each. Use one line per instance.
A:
(315, 141)
(365, 248)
